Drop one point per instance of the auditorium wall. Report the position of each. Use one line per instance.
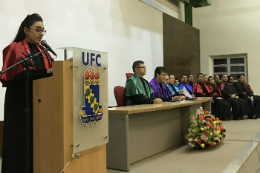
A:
(128, 30)
(230, 27)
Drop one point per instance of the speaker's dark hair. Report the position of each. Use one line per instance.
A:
(27, 22)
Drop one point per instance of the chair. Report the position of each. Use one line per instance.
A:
(119, 95)
(128, 75)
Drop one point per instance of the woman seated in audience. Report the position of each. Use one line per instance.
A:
(220, 107)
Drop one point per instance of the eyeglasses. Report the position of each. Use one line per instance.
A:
(39, 30)
(142, 67)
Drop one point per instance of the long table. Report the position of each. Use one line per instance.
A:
(137, 132)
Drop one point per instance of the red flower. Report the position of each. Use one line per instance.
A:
(223, 136)
(211, 144)
(222, 128)
(211, 120)
(216, 128)
(217, 119)
(205, 124)
(205, 133)
(210, 126)
(198, 141)
(201, 117)
(206, 112)
(221, 122)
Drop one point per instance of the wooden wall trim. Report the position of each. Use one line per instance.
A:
(181, 46)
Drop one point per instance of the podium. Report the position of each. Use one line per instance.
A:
(58, 133)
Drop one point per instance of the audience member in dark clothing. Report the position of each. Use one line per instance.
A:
(220, 107)
(229, 93)
(216, 79)
(245, 92)
(199, 88)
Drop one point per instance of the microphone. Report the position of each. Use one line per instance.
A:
(44, 43)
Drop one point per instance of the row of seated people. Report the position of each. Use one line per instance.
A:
(140, 91)
(163, 88)
(239, 95)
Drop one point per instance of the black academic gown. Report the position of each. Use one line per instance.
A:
(239, 106)
(14, 137)
(245, 91)
(220, 107)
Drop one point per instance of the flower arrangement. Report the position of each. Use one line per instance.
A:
(205, 130)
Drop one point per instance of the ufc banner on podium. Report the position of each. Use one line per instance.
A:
(90, 99)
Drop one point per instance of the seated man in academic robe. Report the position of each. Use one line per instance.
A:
(220, 107)
(186, 84)
(216, 79)
(199, 88)
(205, 79)
(174, 89)
(245, 92)
(230, 79)
(239, 106)
(160, 89)
(190, 79)
(137, 89)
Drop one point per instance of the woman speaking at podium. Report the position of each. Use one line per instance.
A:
(27, 41)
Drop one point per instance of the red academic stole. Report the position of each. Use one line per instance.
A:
(14, 53)
(197, 89)
(221, 86)
(248, 87)
(209, 88)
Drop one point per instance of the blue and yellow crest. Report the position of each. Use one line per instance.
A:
(91, 112)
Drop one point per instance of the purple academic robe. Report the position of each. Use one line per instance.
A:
(157, 89)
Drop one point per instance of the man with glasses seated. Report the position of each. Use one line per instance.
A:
(160, 89)
(137, 89)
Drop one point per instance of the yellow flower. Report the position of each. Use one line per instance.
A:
(218, 132)
(218, 140)
(214, 122)
(211, 134)
(202, 129)
(224, 133)
(202, 145)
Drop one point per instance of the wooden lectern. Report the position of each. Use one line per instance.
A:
(53, 126)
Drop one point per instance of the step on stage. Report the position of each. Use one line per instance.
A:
(239, 152)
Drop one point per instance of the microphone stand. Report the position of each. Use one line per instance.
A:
(26, 60)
